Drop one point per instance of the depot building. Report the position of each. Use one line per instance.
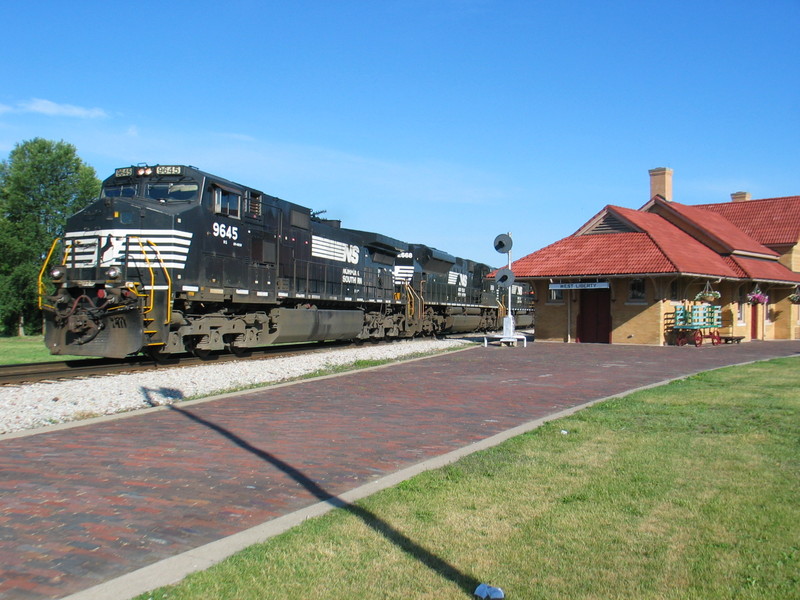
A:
(625, 274)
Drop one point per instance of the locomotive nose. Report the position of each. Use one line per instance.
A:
(118, 211)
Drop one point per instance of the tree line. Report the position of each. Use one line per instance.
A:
(41, 183)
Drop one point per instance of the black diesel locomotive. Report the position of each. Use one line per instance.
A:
(171, 259)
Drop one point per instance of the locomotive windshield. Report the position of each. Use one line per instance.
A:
(159, 191)
(118, 191)
(184, 192)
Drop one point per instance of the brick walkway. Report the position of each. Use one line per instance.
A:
(83, 505)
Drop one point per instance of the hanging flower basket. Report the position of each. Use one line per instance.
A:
(794, 298)
(707, 296)
(757, 298)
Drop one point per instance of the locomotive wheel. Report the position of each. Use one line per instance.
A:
(698, 338)
(201, 352)
(238, 350)
(157, 354)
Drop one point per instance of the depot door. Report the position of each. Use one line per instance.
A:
(594, 317)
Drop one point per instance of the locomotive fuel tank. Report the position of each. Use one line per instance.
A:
(305, 325)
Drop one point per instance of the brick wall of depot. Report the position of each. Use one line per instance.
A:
(649, 321)
(551, 321)
(637, 323)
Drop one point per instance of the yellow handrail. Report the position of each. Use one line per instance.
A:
(167, 277)
(41, 274)
(411, 308)
(147, 309)
(152, 294)
(67, 250)
(409, 301)
(133, 288)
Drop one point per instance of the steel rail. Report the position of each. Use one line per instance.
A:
(27, 373)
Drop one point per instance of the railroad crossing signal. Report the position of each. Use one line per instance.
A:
(502, 243)
(504, 277)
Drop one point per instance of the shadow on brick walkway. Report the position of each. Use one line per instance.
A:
(84, 505)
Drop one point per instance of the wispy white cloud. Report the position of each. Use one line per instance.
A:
(238, 137)
(54, 109)
(5, 108)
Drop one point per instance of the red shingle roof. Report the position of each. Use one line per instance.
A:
(771, 221)
(762, 270)
(687, 254)
(653, 244)
(588, 255)
(717, 227)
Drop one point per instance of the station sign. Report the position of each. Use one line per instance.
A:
(581, 285)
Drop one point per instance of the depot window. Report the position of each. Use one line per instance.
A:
(636, 291)
(227, 202)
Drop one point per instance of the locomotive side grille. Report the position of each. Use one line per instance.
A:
(254, 204)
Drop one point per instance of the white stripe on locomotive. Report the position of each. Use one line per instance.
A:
(334, 250)
(108, 246)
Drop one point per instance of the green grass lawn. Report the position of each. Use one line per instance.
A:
(689, 490)
(27, 349)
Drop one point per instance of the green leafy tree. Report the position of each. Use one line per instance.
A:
(41, 184)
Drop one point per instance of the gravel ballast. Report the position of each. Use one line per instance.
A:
(42, 404)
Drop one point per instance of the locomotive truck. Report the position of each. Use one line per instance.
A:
(171, 259)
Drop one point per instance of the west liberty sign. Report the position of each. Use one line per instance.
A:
(583, 285)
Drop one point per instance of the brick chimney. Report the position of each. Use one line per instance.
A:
(661, 183)
(740, 196)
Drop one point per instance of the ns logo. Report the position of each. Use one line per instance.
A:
(352, 254)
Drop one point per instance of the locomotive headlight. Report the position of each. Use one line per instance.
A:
(144, 171)
(58, 273)
(113, 273)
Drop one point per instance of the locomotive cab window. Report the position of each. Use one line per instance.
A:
(227, 203)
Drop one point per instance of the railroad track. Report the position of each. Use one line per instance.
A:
(96, 367)
(66, 369)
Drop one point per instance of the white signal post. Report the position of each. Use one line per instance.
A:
(508, 320)
(505, 278)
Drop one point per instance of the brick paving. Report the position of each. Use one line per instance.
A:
(84, 505)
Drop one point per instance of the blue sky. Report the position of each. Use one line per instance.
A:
(442, 122)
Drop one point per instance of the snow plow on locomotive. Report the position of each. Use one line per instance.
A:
(171, 259)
